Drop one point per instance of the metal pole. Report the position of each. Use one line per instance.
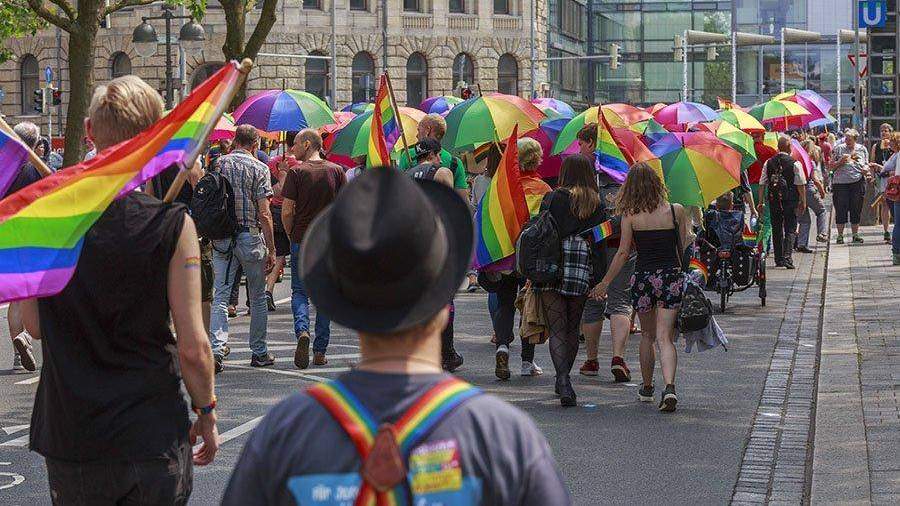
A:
(733, 67)
(333, 54)
(58, 76)
(805, 65)
(533, 77)
(684, 65)
(782, 59)
(838, 85)
(856, 95)
(168, 19)
(384, 30)
(592, 69)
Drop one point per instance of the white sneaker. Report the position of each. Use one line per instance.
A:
(24, 352)
(531, 369)
(17, 362)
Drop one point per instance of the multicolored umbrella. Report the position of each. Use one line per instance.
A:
(809, 99)
(623, 115)
(489, 118)
(780, 115)
(353, 139)
(358, 107)
(284, 111)
(653, 109)
(737, 139)
(439, 105)
(697, 167)
(562, 109)
(765, 145)
(650, 130)
(617, 115)
(800, 154)
(680, 113)
(741, 120)
(225, 128)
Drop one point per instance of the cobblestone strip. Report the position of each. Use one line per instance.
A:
(774, 463)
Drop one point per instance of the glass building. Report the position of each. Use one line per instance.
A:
(881, 89)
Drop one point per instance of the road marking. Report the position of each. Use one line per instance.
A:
(19, 441)
(282, 301)
(291, 360)
(29, 381)
(13, 429)
(17, 479)
(238, 431)
(311, 377)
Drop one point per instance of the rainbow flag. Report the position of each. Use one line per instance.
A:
(502, 211)
(749, 236)
(698, 266)
(610, 157)
(603, 231)
(42, 226)
(385, 128)
(13, 154)
(724, 103)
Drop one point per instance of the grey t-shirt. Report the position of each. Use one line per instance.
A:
(854, 170)
(484, 452)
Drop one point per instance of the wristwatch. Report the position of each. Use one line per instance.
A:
(206, 409)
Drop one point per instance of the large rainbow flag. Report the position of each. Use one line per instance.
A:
(385, 128)
(42, 226)
(13, 155)
(618, 149)
(502, 211)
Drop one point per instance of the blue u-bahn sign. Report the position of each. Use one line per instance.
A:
(872, 13)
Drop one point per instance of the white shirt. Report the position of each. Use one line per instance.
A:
(799, 173)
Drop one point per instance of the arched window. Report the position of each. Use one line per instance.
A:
(317, 75)
(416, 79)
(508, 75)
(30, 80)
(119, 65)
(463, 70)
(203, 72)
(363, 77)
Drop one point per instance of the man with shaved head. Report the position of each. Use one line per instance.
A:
(783, 183)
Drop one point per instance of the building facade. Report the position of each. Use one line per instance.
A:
(883, 100)
(431, 47)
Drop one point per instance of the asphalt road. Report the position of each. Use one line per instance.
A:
(610, 448)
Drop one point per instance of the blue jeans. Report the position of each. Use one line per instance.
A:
(300, 306)
(895, 237)
(249, 252)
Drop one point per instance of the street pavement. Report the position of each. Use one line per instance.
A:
(742, 431)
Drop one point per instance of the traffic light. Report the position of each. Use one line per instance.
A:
(712, 53)
(57, 97)
(613, 56)
(679, 48)
(466, 93)
(39, 100)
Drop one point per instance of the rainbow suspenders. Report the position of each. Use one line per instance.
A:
(410, 430)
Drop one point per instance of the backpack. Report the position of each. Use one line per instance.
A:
(539, 249)
(780, 179)
(696, 310)
(212, 207)
(892, 190)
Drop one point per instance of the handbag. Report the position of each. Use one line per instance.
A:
(892, 189)
(696, 310)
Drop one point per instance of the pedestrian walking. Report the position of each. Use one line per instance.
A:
(252, 248)
(880, 153)
(109, 415)
(815, 202)
(657, 230)
(433, 126)
(783, 183)
(396, 428)
(850, 169)
(308, 189)
(575, 207)
(279, 166)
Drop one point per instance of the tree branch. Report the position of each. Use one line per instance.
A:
(51, 17)
(121, 4)
(263, 27)
(66, 7)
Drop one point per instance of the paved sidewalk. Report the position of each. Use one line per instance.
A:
(857, 428)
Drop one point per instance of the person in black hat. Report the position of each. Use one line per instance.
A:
(391, 280)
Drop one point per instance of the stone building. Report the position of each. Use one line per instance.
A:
(431, 47)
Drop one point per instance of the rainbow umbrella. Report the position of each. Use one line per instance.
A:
(741, 120)
(800, 154)
(780, 114)
(680, 113)
(283, 111)
(623, 115)
(650, 130)
(358, 107)
(353, 139)
(816, 104)
(225, 128)
(653, 109)
(489, 118)
(697, 167)
(617, 115)
(439, 105)
(741, 141)
(560, 108)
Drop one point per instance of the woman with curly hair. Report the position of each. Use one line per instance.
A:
(656, 229)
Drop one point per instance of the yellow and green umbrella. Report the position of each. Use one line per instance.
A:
(353, 139)
(697, 167)
(741, 120)
(741, 141)
(489, 118)
(779, 114)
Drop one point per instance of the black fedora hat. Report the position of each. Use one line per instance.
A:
(389, 253)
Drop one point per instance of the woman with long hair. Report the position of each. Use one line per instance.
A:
(575, 206)
(657, 229)
(879, 154)
(815, 193)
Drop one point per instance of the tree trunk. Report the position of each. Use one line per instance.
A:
(233, 49)
(81, 83)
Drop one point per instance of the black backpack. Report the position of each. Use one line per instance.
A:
(696, 310)
(539, 249)
(212, 207)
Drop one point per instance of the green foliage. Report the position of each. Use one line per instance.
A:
(16, 21)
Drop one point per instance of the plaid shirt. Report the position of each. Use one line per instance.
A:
(250, 180)
(576, 267)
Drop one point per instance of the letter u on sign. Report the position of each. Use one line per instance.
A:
(872, 13)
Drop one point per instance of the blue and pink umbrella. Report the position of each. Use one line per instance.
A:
(439, 105)
(681, 113)
(562, 109)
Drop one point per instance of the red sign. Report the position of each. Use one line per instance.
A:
(852, 58)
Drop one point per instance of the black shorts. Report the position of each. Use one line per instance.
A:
(282, 243)
(206, 271)
(848, 201)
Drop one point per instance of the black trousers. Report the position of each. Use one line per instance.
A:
(848, 201)
(162, 481)
(504, 318)
(784, 228)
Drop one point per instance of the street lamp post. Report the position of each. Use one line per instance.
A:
(145, 40)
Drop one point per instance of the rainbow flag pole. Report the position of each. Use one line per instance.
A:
(378, 153)
(603, 231)
(390, 88)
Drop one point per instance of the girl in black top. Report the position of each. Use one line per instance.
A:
(575, 206)
(655, 228)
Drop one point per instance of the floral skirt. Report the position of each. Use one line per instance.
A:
(659, 288)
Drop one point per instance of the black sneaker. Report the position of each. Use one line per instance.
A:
(226, 350)
(567, 397)
(301, 354)
(453, 362)
(270, 301)
(669, 399)
(218, 363)
(645, 393)
(502, 359)
(804, 249)
(839, 240)
(789, 264)
(262, 360)
(858, 239)
(887, 237)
